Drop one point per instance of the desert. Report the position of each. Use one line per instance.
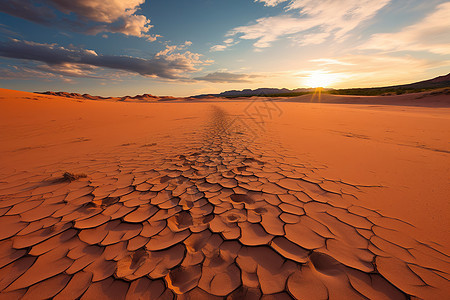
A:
(243, 198)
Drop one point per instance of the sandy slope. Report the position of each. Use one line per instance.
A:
(239, 199)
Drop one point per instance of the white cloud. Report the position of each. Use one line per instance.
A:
(135, 25)
(171, 49)
(327, 18)
(177, 54)
(431, 34)
(226, 44)
(267, 30)
(218, 48)
(271, 2)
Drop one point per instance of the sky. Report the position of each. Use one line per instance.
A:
(183, 48)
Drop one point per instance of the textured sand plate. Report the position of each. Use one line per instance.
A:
(154, 206)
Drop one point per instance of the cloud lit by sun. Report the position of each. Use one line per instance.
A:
(320, 79)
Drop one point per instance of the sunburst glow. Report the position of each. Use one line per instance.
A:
(320, 79)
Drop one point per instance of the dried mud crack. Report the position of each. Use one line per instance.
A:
(231, 217)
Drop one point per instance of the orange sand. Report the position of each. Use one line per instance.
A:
(214, 198)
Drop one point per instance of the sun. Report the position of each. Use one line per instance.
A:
(321, 79)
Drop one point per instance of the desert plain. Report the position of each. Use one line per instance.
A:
(346, 197)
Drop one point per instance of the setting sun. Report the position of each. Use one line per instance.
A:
(320, 79)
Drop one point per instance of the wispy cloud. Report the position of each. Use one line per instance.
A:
(271, 2)
(7, 31)
(331, 61)
(70, 70)
(311, 21)
(172, 49)
(104, 15)
(170, 64)
(19, 72)
(226, 44)
(432, 34)
(226, 77)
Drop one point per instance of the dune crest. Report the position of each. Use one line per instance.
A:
(140, 98)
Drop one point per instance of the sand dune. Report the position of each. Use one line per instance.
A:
(137, 98)
(210, 199)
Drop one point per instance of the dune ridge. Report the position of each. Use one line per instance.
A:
(143, 97)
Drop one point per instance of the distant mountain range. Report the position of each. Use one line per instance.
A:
(421, 86)
(261, 92)
(435, 83)
(137, 98)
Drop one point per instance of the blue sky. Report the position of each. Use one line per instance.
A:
(173, 47)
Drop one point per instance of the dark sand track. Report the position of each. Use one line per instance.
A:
(220, 211)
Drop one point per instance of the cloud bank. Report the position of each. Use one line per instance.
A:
(116, 16)
(225, 77)
(169, 63)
